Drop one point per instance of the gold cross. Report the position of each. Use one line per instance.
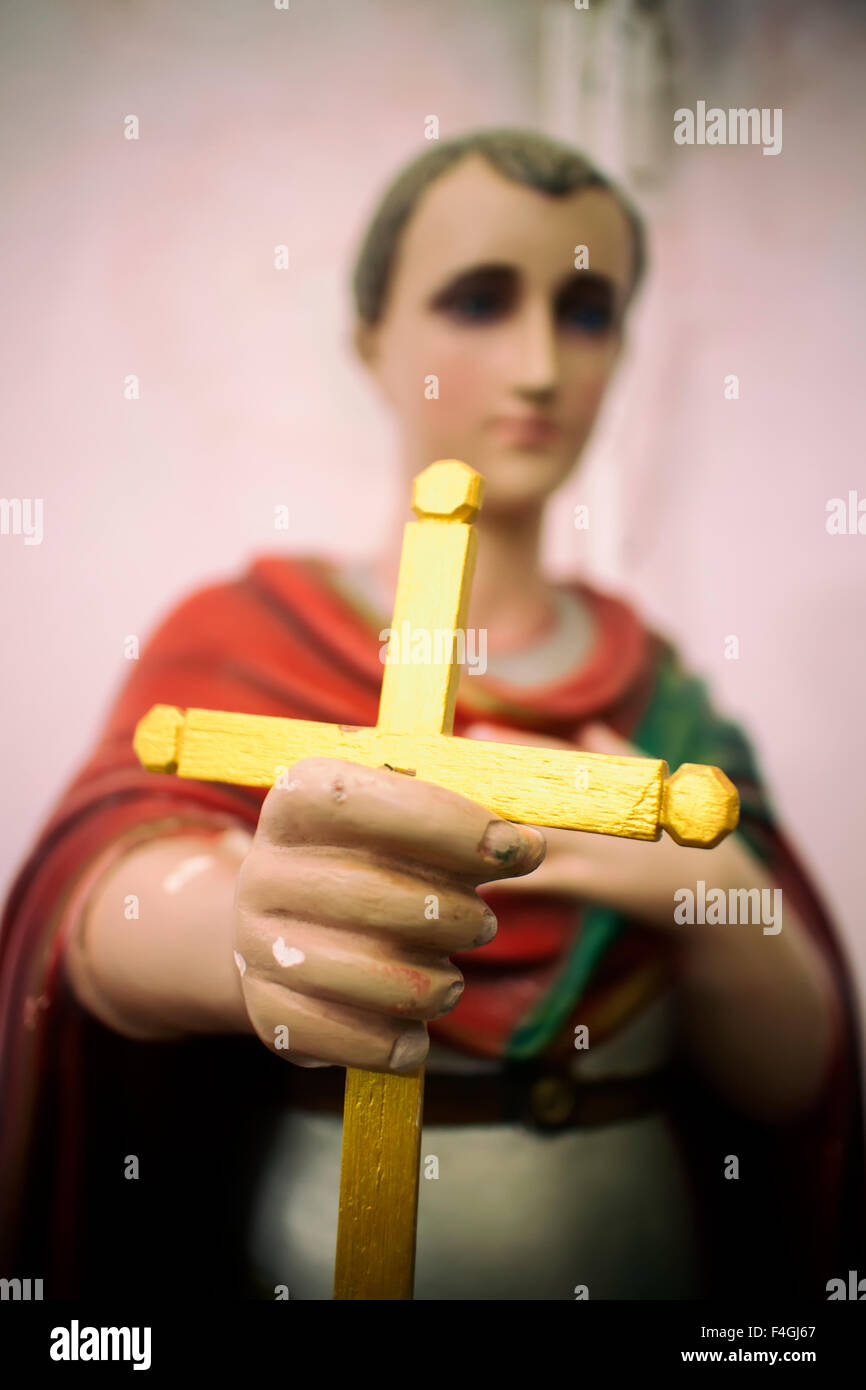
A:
(633, 797)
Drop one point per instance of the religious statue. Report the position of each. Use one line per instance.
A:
(296, 882)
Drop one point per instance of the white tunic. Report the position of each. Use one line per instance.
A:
(514, 1213)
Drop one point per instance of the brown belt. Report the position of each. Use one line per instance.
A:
(524, 1093)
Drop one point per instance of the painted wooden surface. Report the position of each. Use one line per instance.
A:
(382, 1114)
(633, 797)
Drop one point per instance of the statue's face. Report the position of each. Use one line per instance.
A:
(487, 317)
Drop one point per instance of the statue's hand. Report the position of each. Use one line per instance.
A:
(359, 885)
(636, 877)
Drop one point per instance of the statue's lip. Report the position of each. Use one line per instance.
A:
(537, 426)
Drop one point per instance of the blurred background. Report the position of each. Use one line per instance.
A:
(262, 126)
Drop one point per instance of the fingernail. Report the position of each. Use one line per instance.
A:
(500, 842)
(503, 843)
(490, 928)
(452, 996)
(408, 1052)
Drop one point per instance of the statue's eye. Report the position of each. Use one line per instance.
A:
(587, 304)
(590, 317)
(478, 306)
(481, 297)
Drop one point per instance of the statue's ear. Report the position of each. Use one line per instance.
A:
(363, 341)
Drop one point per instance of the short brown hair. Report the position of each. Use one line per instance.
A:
(524, 156)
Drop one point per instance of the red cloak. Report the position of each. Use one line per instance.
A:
(281, 640)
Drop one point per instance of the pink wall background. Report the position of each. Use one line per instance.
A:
(261, 127)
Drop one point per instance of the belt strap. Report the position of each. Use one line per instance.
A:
(529, 1093)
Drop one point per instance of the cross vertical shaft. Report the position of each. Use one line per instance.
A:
(382, 1112)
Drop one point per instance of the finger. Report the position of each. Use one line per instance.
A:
(561, 878)
(330, 801)
(350, 968)
(292, 1024)
(347, 889)
(494, 733)
(601, 738)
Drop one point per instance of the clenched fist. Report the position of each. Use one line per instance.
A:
(359, 884)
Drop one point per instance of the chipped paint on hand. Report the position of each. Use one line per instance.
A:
(287, 955)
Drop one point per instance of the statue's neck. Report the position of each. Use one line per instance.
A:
(510, 597)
